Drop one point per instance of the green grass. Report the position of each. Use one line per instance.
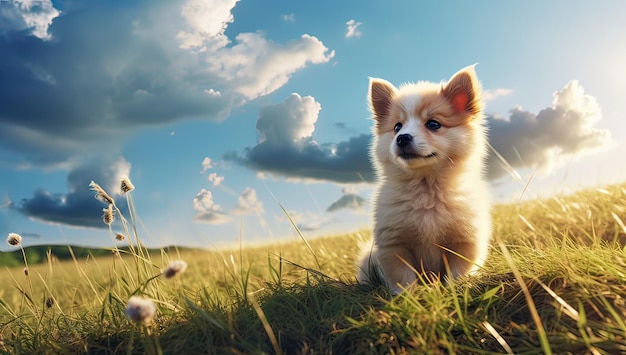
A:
(554, 282)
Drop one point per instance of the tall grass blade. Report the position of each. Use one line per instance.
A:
(295, 226)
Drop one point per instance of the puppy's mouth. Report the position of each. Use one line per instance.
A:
(412, 156)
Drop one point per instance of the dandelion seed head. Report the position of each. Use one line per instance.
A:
(174, 268)
(140, 309)
(14, 239)
(101, 195)
(120, 237)
(107, 215)
(126, 185)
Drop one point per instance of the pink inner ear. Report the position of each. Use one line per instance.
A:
(459, 101)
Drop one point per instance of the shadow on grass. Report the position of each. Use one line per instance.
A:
(303, 319)
(323, 317)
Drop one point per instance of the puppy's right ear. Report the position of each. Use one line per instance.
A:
(381, 95)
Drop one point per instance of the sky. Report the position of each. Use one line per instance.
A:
(236, 120)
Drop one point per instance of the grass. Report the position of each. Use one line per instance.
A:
(554, 282)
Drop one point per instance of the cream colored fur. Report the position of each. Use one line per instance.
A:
(431, 207)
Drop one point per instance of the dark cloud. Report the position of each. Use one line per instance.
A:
(348, 200)
(525, 140)
(102, 69)
(287, 148)
(78, 207)
(345, 162)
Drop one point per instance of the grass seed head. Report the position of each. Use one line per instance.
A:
(120, 237)
(126, 186)
(101, 195)
(50, 302)
(14, 239)
(26, 271)
(108, 216)
(140, 309)
(174, 268)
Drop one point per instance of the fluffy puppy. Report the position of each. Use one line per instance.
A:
(431, 207)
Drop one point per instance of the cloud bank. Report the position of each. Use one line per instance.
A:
(100, 70)
(565, 130)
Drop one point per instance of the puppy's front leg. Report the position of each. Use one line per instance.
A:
(394, 263)
(459, 259)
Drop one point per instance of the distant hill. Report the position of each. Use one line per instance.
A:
(39, 254)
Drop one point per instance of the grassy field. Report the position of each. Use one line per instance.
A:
(555, 282)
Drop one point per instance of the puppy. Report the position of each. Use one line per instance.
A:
(431, 207)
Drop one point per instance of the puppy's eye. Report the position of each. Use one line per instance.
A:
(433, 125)
(397, 127)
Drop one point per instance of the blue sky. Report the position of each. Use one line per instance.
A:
(211, 107)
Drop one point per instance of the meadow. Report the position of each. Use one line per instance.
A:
(554, 282)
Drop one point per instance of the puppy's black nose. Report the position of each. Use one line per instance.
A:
(403, 140)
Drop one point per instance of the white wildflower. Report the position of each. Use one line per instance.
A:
(174, 268)
(126, 186)
(140, 309)
(14, 239)
(101, 195)
(108, 216)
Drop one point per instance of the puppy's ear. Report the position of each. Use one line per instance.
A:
(463, 91)
(381, 95)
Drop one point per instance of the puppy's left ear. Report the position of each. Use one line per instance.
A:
(464, 92)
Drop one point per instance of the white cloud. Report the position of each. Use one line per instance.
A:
(213, 92)
(289, 121)
(35, 16)
(255, 66)
(207, 164)
(288, 17)
(308, 221)
(545, 140)
(215, 179)
(249, 203)
(207, 21)
(352, 29)
(207, 211)
(491, 94)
